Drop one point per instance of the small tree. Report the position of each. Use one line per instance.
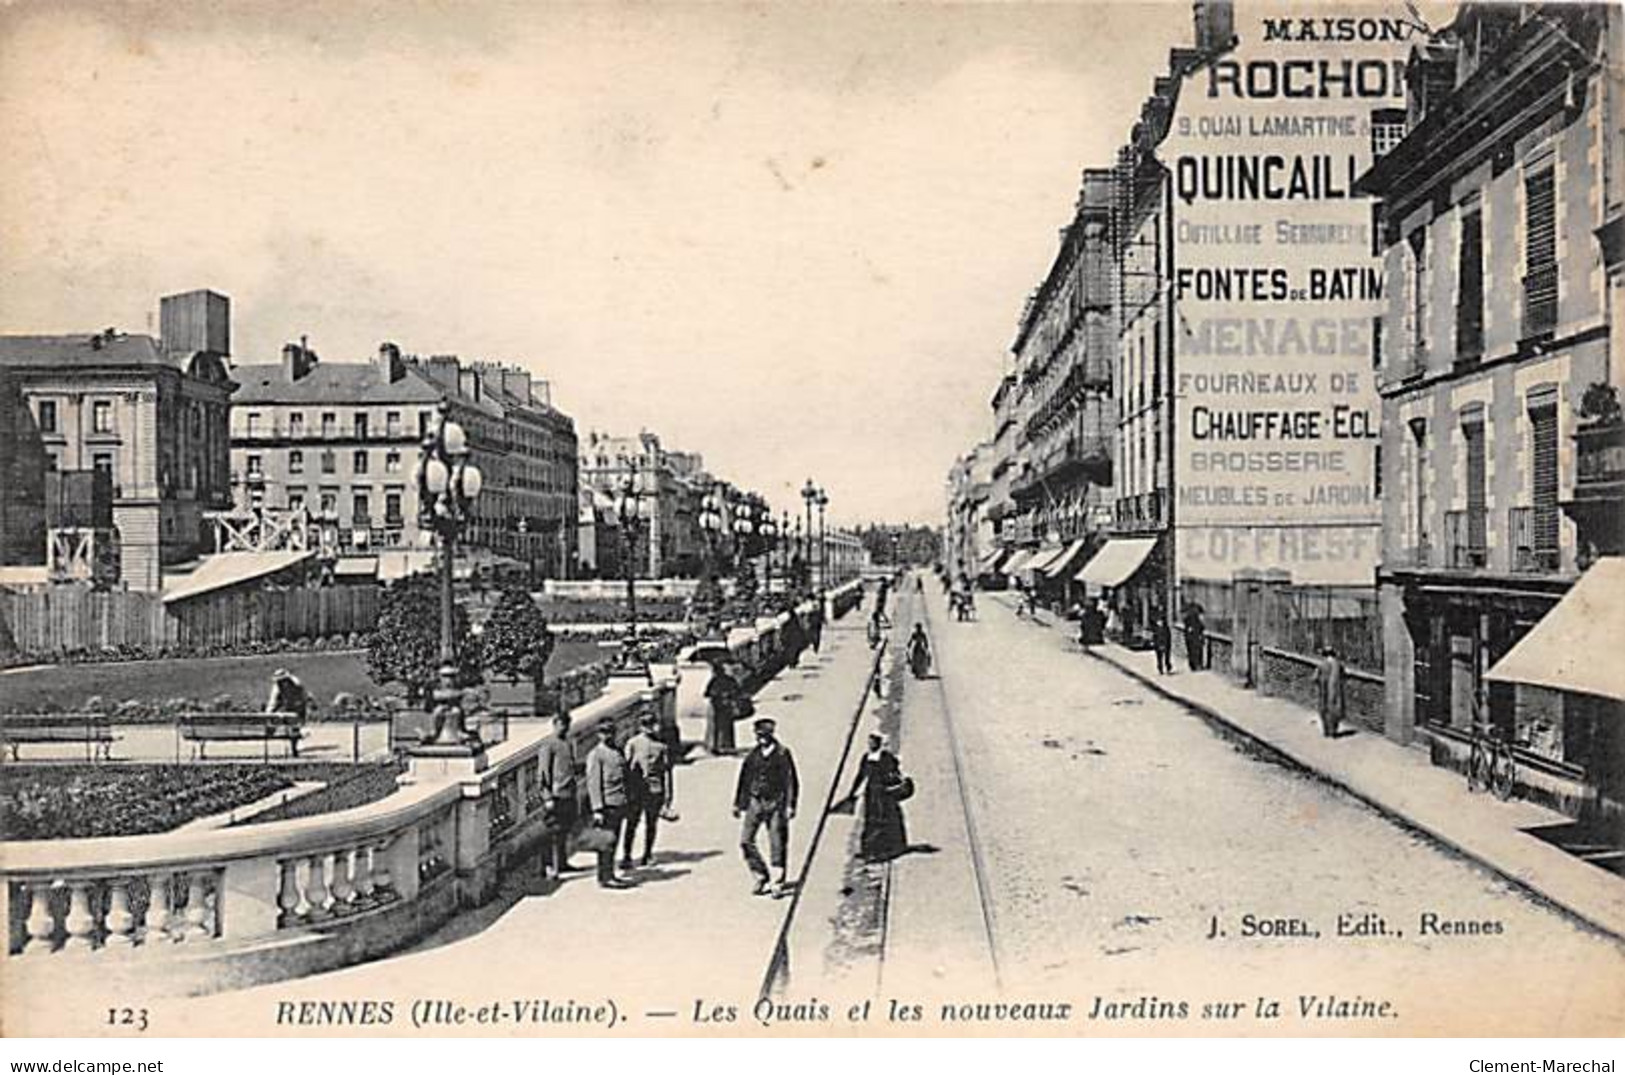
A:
(516, 641)
(405, 646)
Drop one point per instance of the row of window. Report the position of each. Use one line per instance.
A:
(1532, 528)
(1539, 284)
(360, 424)
(48, 419)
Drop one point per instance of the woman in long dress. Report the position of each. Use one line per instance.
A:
(884, 835)
(723, 693)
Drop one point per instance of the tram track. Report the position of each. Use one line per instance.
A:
(974, 846)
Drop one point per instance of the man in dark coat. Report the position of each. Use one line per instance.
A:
(1162, 640)
(607, 795)
(1195, 638)
(556, 781)
(766, 795)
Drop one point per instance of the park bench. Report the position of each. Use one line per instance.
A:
(93, 730)
(205, 728)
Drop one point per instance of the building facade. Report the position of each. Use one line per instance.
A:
(1063, 370)
(1499, 486)
(148, 414)
(338, 444)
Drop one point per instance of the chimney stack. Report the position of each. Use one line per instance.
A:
(297, 361)
(1215, 24)
(195, 321)
(390, 366)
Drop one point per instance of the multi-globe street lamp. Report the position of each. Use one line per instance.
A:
(708, 596)
(822, 502)
(809, 496)
(447, 486)
(631, 508)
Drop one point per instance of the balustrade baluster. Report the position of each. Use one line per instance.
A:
(197, 908)
(382, 882)
(160, 910)
(288, 897)
(362, 863)
(79, 922)
(316, 886)
(343, 890)
(120, 922)
(41, 920)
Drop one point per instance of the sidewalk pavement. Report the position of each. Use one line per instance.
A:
(1397, 781)
(690, 933)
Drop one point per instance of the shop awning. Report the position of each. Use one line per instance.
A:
(1063, 563)
(1018, 563)
(229, 569)
(1568, 649)
(986, 561)
(1044, 557)
(1117, 562)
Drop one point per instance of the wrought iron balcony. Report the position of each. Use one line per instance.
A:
(1465, 537)
(1534, 547)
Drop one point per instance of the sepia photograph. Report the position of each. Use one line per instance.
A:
(764, 518)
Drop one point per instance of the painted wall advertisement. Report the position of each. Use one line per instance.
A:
(1276, 290)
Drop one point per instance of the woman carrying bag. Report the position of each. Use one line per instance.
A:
(884, 787)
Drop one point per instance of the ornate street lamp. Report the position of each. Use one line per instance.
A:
(708, 597)
(447, 486)
(770, 542)
(809, 497)
(786, 536)
(631, 509)
(822, 501)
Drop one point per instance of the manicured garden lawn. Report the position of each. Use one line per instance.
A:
(247, 679)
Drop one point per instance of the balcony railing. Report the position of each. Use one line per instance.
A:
(1143, 511)
(1540, 302)
(1465, 537)
(1532, 549)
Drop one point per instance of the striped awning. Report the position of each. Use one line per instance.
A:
(1063, 563)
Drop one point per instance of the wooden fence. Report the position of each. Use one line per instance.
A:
(63, 619)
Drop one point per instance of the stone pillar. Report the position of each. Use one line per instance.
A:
(1245, 597)
(476, 872)
(249, 891)
(1399, 665)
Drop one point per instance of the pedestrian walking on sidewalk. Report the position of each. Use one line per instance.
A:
(1195, 638)
(1162, 640)
(607, 796)
(556, 781)
(723, 692)
(1329, 680)
(649, 787)
(881, 779)
(794, 639)
(766, 796)
(919, 652)
(815, 626)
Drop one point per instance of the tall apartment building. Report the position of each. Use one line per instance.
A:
(340, 442)
(1063, 369)
(150, 414)
(1501, 430)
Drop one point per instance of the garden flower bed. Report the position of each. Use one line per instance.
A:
(60, 802)
(56, 802)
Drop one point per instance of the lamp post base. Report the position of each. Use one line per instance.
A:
(449, 761)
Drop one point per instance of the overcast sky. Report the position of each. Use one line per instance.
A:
(794, 238)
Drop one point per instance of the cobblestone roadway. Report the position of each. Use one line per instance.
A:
(1116, 825)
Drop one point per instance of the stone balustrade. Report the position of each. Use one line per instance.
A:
(262, 902)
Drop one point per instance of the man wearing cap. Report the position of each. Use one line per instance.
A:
(606, 795)
(649, 786)
(766, 795)
(556, 782)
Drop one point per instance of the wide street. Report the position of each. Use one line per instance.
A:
(1114, 829)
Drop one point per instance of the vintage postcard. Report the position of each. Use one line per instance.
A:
(737, 519)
